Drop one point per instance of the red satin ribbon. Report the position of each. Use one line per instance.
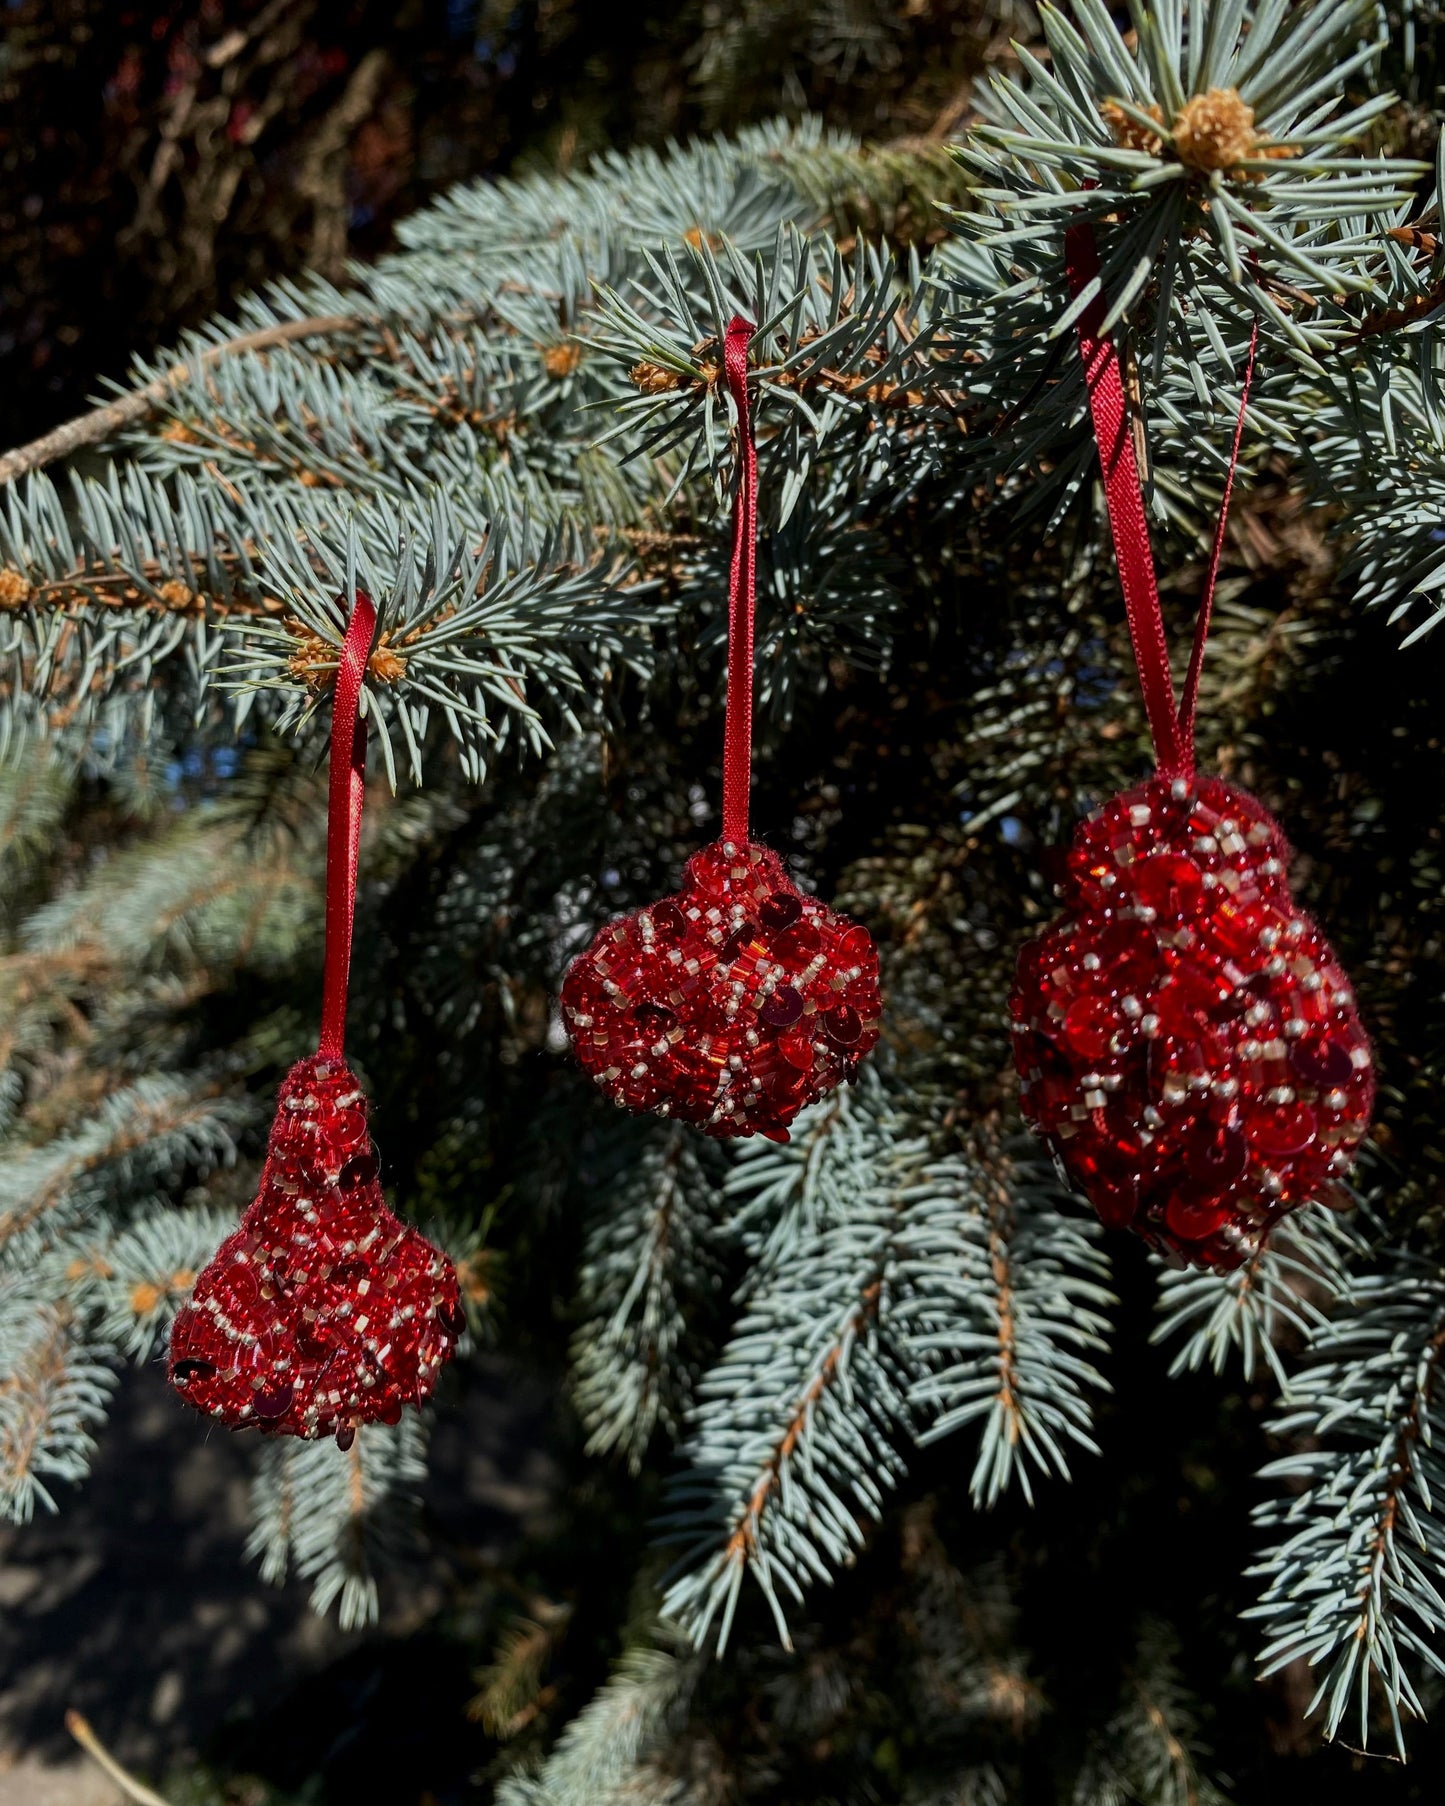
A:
(1172, 729)
(343, 822)
(742, 596)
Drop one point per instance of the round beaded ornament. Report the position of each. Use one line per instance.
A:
(1185, 1038)
(323, 1311)
(737, 1001)
(730, 1005)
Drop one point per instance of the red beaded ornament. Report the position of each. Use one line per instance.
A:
(739, 1000)
(323, 1311)
(1185, 1037)
(729, 1005)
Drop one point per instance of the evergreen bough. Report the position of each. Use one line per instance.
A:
(512, 434)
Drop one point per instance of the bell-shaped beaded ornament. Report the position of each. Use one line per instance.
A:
(1185, 1038)
(737, 1001)
(323, 1311)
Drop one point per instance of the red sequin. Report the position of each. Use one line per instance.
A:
(323, 1310)
(730, 1005)
(1186, 1038)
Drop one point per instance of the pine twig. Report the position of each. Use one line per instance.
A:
(100, 423)
(81, 1731)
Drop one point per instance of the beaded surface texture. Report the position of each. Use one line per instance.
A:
(731, 1004)
(323, 1311)
(1186, 1039)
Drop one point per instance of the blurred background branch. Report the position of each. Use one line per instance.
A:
(157, 160)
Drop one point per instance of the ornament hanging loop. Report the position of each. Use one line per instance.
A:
(742, 595)
(739, 1000)
(346, 794)
(321, 1311)
(1170, 727)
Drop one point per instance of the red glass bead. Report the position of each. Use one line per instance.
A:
(1089, 1026)
(782, 1009)
(843, 1025)
(1194, 1213)
(1281, 1131)
(359, 1170)
(1115, 1205)
(1169, 884)
(780, 911)
(743, 1001)
(323, 1310)
(1221, 1157)
(1185, 1037)
(856, 945)
(1323, 1063)
(668, 921)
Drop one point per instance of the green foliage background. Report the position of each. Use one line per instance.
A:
(1020, 1532)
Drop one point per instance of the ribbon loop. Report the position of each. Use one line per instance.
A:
(1171, 728)
(1190, 698)
(346, 793)
(742, 595)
